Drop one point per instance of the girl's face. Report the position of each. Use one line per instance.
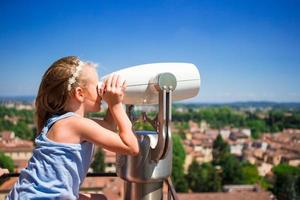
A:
(92, 101)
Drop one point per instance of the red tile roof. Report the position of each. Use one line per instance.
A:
(263, 195)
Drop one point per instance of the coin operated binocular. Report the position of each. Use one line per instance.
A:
(153, 84)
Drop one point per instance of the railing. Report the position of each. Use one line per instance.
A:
(88, 175)
(172, 195)
(171, 190)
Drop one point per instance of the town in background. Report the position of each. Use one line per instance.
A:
(220, 150)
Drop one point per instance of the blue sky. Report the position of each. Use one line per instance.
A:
(244, 49)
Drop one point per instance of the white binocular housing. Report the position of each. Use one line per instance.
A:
(143, 82)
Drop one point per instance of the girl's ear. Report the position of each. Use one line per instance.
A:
(79, 94)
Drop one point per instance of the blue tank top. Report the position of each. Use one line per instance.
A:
(55, 170)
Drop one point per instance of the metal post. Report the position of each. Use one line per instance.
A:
(145, 173)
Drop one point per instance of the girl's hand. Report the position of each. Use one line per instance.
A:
(3, 171)
(113, 89)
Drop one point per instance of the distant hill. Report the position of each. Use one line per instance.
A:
(245, 104)
(22, 99)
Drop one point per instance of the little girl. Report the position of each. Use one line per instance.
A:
(64, 148)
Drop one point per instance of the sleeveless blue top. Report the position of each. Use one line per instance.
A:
(55, 170)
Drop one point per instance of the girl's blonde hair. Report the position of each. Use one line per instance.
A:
(53, 92)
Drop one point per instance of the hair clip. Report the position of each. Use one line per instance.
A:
(72, 79)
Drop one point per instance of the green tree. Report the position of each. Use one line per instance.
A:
(203, 178)
(257, 127)
(22, 131)
(143, 126)
(287, 182)
(275, 120)
(6, 162)
(178, 177)
(249, 174)
(265, 183)
(98, 165)
(181, 133)
(193, 175)
(231, 170)
(220, 150)
(5, 125)
(97, 114)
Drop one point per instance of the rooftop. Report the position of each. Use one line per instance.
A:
(112, 188)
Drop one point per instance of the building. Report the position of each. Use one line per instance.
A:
(19, 150)
(225, 133)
